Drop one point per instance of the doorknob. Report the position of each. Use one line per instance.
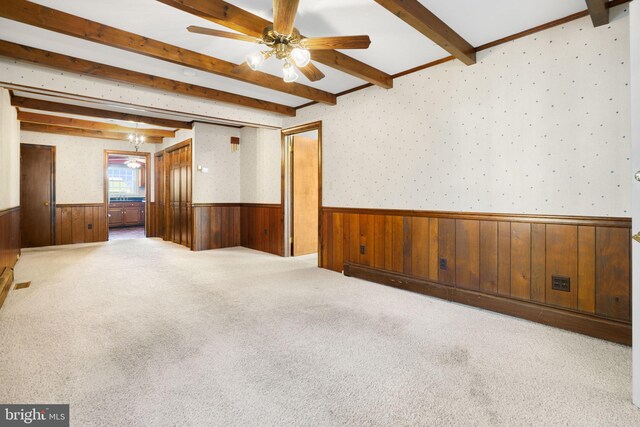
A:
(46, 203)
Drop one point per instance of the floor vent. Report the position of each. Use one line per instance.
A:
(22, 285)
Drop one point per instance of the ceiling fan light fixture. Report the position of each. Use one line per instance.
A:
(289, 73)
(255, 60)
(301, 56)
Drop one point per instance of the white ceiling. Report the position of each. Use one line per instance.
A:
(395, 46)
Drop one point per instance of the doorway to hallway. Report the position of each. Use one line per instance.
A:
(302, 188)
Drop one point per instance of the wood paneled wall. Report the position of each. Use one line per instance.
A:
(151, 218)
(223, 225)
(81, 223)
(9, 237)
(216, 226)
(262, 228)
(511, 256)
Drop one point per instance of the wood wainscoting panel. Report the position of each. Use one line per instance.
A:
(388, 243)
(587, 269)
(434, 241)
(354, 237)
(521, 260)
(80, 223)
(262, 229)
(337, 242)
(367, 243)
(538, 262)
(447, 250)
(504, 258)
(489, 257)
(562, 260)
(613, 273)
(512, 257)
(378, 241)
(9, 237)
(216, 226)
(467, 254)
(419, 247)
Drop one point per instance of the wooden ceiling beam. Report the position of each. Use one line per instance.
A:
(598, 11)
(94, 69)
(58, 107)
(247, 23)
(62, 130)
(45, 119)
(419, 17)
(64, 23)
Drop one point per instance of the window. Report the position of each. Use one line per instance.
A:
(121, 181)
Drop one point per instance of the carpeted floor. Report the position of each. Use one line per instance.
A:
(126, 233)
(144, 332)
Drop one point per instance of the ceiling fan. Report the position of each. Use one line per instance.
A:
(286, 44)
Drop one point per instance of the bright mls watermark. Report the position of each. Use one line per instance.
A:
(34, 415)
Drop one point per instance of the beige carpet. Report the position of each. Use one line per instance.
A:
(143, 332)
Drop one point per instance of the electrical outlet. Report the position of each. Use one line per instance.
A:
(362, 249)
(443, 263)
(561, 283)
(90, 226)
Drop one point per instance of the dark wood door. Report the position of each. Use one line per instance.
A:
(37, 195)
(160, 196)
(178, 181)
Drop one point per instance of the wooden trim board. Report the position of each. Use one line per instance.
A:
(610, 330)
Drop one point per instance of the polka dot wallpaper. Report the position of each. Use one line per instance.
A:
(260, 158)
(80, 164)
(212, 149)
(539, 125)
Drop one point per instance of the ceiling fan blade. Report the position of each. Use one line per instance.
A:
(218, 33)
(340, 42)
(311, 72)
(284, 15)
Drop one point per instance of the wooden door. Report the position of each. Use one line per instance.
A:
(37, 183)
(160, 196)
(178, 166)
(305, 195)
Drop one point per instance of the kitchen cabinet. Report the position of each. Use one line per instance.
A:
(126, 214)
(115, 217)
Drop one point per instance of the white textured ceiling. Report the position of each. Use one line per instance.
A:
(395, 46)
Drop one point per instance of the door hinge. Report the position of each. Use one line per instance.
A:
(291, 147)
(290, 240)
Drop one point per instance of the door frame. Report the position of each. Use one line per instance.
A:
(52, 201)
(147, 157)
(286, 171)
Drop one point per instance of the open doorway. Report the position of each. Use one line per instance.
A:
(126, 193)
(303, 188)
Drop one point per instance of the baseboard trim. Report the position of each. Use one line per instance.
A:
(6, 279)
(619, 332)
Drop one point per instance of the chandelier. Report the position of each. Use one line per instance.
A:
(136, 140)
(288, 48)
